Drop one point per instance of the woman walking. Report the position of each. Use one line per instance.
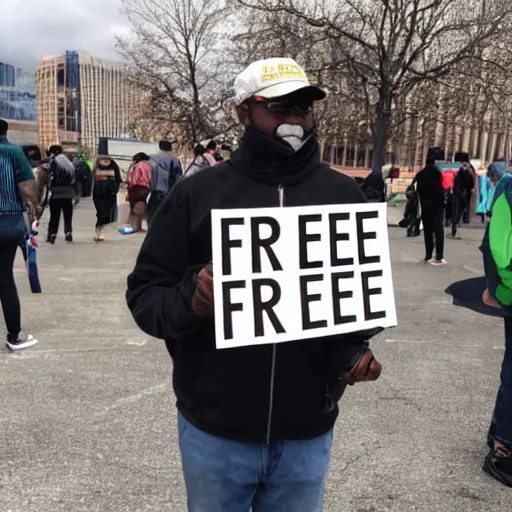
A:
(107, 179)
(139, 187)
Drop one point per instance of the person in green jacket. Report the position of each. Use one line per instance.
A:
(497, 251)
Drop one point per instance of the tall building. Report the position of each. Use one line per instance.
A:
(81, 98)
(17, 94)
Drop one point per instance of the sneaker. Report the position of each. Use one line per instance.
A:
(429, 260)
(51, 239)
(69, 237)
(498, 464)
(21, 342)
(437, 263)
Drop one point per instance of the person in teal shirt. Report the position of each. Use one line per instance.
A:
(18, 187)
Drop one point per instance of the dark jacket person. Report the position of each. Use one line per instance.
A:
(239, 405)
(431, 192)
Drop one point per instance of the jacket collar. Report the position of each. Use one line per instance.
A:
(270, 160)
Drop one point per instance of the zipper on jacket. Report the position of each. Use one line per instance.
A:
(274, 352)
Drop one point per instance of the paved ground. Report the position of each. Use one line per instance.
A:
(88, 420)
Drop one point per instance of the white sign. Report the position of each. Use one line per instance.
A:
(283, 274)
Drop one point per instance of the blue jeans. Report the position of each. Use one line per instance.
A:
(501, 428)
(230, 476)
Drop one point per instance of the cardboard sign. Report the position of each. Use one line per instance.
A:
(283, 274)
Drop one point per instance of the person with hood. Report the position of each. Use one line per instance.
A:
(106, 179)
(166, 171)
(497, 253)
(255, 422)
(463, 186)
(431, 193)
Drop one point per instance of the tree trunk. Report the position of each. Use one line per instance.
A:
(380, 136)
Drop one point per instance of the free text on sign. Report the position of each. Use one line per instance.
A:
(283, 274)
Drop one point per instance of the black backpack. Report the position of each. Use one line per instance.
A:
(62, 172)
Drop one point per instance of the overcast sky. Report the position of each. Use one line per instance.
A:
(31, 28)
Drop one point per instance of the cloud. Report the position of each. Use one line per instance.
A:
(31, 28)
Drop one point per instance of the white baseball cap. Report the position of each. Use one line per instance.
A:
(273, 78)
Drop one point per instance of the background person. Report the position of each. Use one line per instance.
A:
(107, 180)
(431, 193)
(462, 190)
(200, 161)
(61, 174)
(166, 171)
(211, 151)
(139, 187)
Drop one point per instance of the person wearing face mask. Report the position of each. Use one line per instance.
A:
(255, 423)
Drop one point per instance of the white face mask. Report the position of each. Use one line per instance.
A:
(293, 134)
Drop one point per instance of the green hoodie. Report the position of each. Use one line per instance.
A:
(499, 237)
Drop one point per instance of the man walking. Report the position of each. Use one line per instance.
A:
(431, 192)
(255, 423)
(62, 193)
(167, 170)
(497, 256)
(17, 186)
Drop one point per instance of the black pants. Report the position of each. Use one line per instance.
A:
(155, 200)
(56, 206)
(460, 211)
(105, 209)
(432, 216)
(8, 293)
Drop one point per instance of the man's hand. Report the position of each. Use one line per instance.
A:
(490, 301)
(366, 369)
(202, 300)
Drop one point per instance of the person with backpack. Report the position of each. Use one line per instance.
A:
(139, 187)
(199, 163)
(497, 254)
(107, 180)
(61, 179)
(463, 186)
(166, 171)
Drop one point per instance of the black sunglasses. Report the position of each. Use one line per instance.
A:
(285, 107)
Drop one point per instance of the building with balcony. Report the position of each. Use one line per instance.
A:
(81, 98)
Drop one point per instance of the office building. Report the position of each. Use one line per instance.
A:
(81, 98)
(17, 94)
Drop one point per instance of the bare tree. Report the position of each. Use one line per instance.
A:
(392, 46)
(174, 57)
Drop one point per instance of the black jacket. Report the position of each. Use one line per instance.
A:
(228, 392)
(430, 186)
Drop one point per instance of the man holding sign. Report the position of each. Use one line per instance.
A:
(300, 281)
